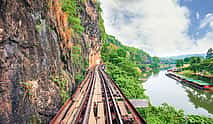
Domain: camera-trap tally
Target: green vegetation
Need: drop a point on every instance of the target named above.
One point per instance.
(76, 54)
(62, 83)
(166, 114)
(198, 68)
(76, 59)
(101, 23)
(209, 53)
(202, 66)
(198, 64)
(125, 66)
(196, 119)
(72, 8)
(38, 27)
(155, 63)
(79, 77)
(179, 63)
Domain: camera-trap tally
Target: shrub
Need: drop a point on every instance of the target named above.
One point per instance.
(165, 114)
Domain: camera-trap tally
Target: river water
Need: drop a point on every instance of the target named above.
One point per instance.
(162, 89)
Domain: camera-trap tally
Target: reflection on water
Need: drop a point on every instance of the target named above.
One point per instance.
(156, 71)
(162, 89)
(200, 99)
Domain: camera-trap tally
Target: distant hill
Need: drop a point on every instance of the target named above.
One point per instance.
(172, 59)
(184, 56)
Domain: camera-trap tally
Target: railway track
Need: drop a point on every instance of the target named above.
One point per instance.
(97, 100)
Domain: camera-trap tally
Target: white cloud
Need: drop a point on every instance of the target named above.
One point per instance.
(159, 27)
(208, 20)
(197, 15)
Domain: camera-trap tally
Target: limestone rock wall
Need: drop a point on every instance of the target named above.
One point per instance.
(32, 52)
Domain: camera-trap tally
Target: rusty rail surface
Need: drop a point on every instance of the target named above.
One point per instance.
(138, 118)
(97, 99)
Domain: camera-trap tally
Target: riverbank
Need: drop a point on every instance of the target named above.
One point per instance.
(189, 81)
(183, 104)
(197, 76)
(126, 67)
(166, 114)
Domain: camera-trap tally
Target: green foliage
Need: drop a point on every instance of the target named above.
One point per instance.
(79, 77)
(166, 114)
(123, 65)
(78, 59)
(113, 40)
(101, 23)
(196, 119)
(62, 83)
(38, 27)
(209, 54)
(198, 66)
(126, 80)
(155, 63)
(72, 8)
(76, 54)
(179, 63)
(76, 24)
(135, 55)
(194, 60)
(186, 60)
(207, 66)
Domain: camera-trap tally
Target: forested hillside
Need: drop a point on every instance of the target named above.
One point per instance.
(127, 65)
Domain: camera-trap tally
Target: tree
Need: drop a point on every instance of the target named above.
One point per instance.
(179, 63)
(194, 60)
(186, 60)
(209, 53)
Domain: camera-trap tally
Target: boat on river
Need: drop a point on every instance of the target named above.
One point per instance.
(195, 83)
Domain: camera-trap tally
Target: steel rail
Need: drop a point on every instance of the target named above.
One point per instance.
(88, 108)
(87, 89)
(106, 99)
(136, 115)
(68, 118)
(63, 110)
(113, 99)
(84, 101)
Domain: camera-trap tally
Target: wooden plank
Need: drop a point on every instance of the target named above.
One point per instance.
(101, 115)
(122, 108)
(92, 120)
(99, 98)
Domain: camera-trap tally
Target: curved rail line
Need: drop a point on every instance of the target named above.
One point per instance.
(97, 100)
(132, 109)
(115, 106)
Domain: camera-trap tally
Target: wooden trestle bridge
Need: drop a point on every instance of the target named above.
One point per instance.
(98, 100)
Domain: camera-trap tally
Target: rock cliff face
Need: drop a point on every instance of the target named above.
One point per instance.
(37, 66)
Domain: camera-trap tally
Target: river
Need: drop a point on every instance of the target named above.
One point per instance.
(162, 89)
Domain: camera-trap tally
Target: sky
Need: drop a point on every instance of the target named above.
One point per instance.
(161, 27)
